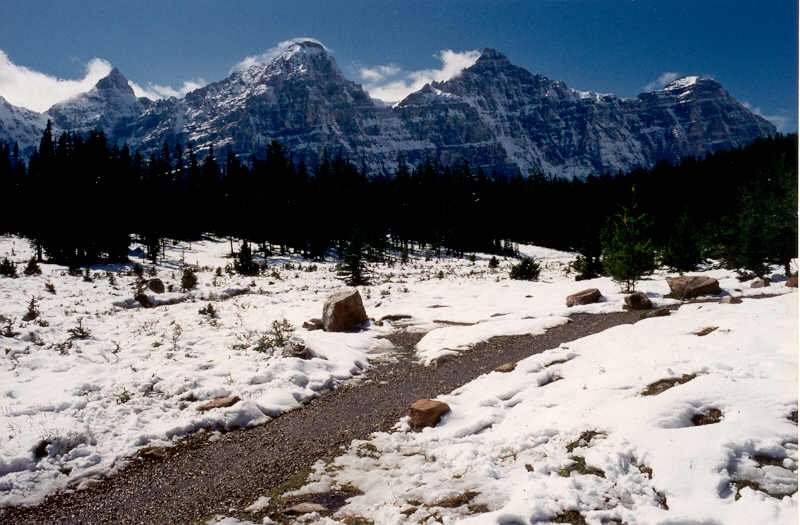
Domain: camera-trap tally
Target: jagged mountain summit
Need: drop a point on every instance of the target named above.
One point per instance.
(493, 114)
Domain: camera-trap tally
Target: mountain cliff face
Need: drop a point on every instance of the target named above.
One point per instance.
(494, 114)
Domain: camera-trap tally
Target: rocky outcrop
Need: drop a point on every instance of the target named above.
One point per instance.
(343, 312)
(494, 114)
(588, 296)
(693, 286)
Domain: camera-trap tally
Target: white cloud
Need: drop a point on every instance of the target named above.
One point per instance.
(380, 85)
(662, 80)
(782, 122)
(156, 91)
(378, 73)
(267, 56)
(38, 91)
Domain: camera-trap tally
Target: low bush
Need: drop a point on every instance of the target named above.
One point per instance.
(526, 270)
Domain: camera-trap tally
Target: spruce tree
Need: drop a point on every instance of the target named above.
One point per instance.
(628, 252)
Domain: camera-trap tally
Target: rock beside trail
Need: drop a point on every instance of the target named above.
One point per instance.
(427, 413)
(760, 283)
(731, 300)
(692, 286)
(220, 402)
(792, 281)
(638, 301)
(156, 285)
(305, 508)
(506, 367)
(588, 296)
(343, 312)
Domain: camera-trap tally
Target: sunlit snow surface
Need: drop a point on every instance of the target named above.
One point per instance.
(134, 382)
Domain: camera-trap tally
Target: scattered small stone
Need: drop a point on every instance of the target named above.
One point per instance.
(394, 317)
(427, 413)
(343, 312)
(156, 285)
(153, 452)
(705, 331)
(638, 301)
(692, 286)
(305, 508)
(506, 367)
(588, 296)
(731, 300)
(220, 402)
(313, 324)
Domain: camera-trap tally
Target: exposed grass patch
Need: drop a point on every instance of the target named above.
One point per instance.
(665, 384)
(584, 439)
(570, 516)
(457, 500)
(714, 415)
(579, 465)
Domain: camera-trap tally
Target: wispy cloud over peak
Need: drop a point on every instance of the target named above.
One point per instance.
(270, 54)
(38, 91)
(662, 80)
(390, 83)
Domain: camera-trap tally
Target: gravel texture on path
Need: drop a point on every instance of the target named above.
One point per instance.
(198, 478)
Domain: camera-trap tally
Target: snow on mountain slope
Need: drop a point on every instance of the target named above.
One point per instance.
(494, 114)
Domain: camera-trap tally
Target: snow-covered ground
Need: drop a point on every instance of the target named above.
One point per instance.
(513, 449)
(72, 408)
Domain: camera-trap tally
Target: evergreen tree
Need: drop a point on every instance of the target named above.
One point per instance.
(353, 269)
(682, 252)
(628, 252)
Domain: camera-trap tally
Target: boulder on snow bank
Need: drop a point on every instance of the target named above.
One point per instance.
(792, 281)
(693, 285)
(343, 312)
(427, 413)
(760, 283)
(588, 296)
(638, 301)
(220, 402)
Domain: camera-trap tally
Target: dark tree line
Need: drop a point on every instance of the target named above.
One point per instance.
(79, 199)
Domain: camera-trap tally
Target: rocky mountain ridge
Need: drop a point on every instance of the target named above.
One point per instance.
(493, 114)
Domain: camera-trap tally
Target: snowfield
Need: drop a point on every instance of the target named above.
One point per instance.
(77, 404)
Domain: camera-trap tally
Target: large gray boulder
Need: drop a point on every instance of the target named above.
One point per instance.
(693, 285)
(343, 312)
(588, 296)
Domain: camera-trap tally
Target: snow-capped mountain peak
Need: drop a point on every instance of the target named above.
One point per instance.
(115, 82)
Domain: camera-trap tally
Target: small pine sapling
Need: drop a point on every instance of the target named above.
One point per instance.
(188, 279)
(525, 270)
(32, 268)
(8, 268)
(33, 310)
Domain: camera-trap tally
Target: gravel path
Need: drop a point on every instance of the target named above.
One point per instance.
(200, 478)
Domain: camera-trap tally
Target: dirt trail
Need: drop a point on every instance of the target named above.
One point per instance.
(199, 478)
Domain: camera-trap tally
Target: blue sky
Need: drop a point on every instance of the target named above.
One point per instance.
(610, 46)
